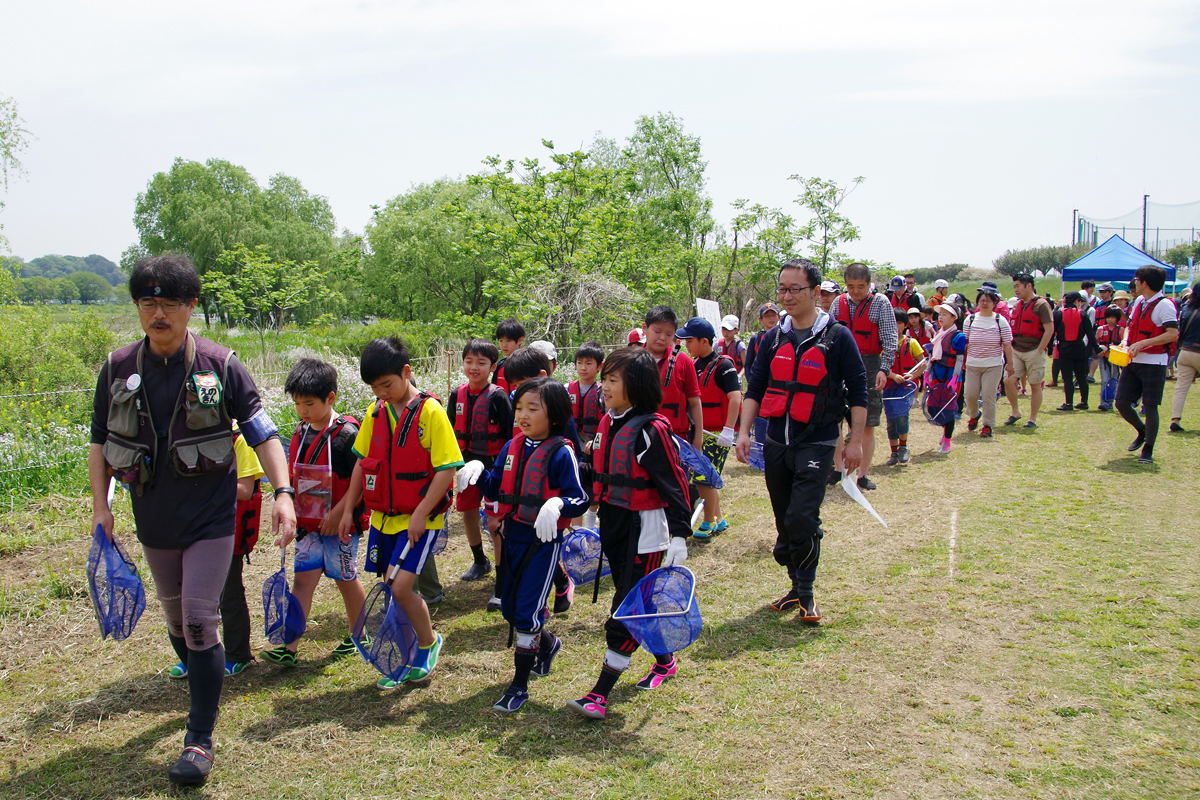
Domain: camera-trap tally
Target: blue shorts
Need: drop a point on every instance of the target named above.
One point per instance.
(340, 561)
(384, 549)
(523, 601)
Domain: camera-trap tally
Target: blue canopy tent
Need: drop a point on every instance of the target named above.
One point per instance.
(1114, 262)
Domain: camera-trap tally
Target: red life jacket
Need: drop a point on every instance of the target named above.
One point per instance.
(732, 351)
(899, 299)
(385, 489)
(477, 434)
(1141, 326)
(1025, 322)
(321, 444)
(674, 401)
(1107, 335)
(532, 473)
(498, 378)
(247, 520)
(587, 408)
(800, 386)
(866, 332)
(618, 477)
(921, 334)
(713, 399)
(1071, 318)
(904, 356)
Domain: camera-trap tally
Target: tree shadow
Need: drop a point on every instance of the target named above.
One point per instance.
(1128, 465)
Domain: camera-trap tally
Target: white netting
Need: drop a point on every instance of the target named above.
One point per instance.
(1167, 225)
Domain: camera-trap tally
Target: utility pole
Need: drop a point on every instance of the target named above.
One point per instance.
(1145, 198)
(1074, 224)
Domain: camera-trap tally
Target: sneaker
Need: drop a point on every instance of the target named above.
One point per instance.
(235, 668)
(1145, 459)
(787, 602)
(426, 660)
(479, 569)
(590, 705)
(177, 672)
(385, 683)
(944, 446)
(1176, 427)
(704, 532)
(1137, 443)
(721, 526)
(972, 423)
(893, 459)
(280, 655)
(563, 600)
(347, 648)
(1031, 424)
(541, 666)
(1081, 406)
(986, 432)
(958, 415)
(835, 477)
(1012, 419)
(658, 675)
(493, 604)
(866, 483)
(1066, 407)
(1104, 407)
(1091, 379)
(192, 767)
(436, 600)
(903, 453)
(809, 611)
(511, 700)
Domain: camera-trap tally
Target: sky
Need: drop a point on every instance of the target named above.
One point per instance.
(978, 126)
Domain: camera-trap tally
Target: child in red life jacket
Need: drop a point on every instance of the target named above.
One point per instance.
(321, 462)
(908, 366)
(235, 613)
(407, 455)
(1110, 333)
(644, 514)
(587, 407)
(536, 490)
(510, 335)
(721, 403)
(481, 416)
(944, 367)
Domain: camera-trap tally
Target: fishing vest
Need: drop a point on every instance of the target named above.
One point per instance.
(199, 440)
(474, 428)
(731, 351)
(799, 384)
(866, 332)
(713, 400)
(385, 488)
(618, 477)
(530, 472)
(674, 401)
(1142, 326)
(1025, 322)
(587, 408)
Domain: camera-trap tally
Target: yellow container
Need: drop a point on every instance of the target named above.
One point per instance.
(1118, 356)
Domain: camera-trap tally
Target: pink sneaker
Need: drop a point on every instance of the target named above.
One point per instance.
(590, 706)
(658, 674)
(945, 445)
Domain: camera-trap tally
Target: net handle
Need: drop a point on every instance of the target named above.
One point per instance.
(396, 567)
(686, 609)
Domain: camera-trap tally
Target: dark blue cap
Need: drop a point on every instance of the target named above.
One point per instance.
(697, 328)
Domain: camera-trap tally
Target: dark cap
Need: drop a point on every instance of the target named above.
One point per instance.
(697, 328)
(765, 307)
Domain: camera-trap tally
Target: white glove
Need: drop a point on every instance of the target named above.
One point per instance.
(725, 439)
(591, 521)
(469, 473)
(547, 521)
(676, 552)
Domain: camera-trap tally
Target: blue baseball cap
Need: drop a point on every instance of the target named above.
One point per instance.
(697, 328)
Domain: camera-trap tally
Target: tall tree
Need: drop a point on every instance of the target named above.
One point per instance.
(828, 228)
(91, 287)
(14, 138)
(65, 290)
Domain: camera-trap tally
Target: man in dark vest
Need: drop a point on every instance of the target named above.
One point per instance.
(162, 424)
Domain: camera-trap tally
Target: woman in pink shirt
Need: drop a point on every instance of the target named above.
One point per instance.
(989, 350)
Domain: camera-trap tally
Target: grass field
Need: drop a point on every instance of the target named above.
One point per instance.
(1027, 627)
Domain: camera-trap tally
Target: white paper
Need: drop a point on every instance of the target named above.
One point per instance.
(850, 487)
(711, 311)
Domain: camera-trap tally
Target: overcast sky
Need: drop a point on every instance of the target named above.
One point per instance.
(978, 126)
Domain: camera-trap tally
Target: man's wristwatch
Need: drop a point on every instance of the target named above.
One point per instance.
(285, 490)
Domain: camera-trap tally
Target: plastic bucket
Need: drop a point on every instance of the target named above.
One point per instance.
(661, 611)
(1118, 356)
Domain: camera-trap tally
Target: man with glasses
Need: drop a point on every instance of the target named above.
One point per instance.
(807, 373)
(162, 424)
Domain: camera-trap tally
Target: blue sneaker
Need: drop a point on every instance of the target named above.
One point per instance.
(235, 668)
(511, 700)
(705, 531)
(177, 672)
(426, 660)
(543, 663)
(721, 526)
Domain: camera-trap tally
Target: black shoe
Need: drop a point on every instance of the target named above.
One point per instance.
(866, 483)
(1176, 427)
(787, 602)
(809, 612)
(1145, 459)
(1081, 406)
(478, 570)
(1066, 407)
(541, 666)
(1137, 443)
(835, 478)
(192, 767)
(1012, 420)
(986, 433)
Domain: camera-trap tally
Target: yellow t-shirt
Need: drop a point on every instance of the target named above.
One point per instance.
(248, 465)
(436, 435)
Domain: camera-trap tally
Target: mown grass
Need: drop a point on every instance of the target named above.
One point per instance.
(1060, 661)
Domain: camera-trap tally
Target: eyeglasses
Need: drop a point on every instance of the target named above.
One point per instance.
(147, 305)
(794, 290)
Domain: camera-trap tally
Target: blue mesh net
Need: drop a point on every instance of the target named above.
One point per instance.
(118, 596)
(1108, 392)
(662, 612)
(898, 399)
(698, 467)
(940, 403)
(283, 615)
(581, 555)
(383, 635)
(755, 456)
(440, 539)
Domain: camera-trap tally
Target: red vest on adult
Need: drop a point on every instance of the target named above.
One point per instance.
(384, 488)
(866, 332)
(713, 400)
(587, 408)
(618, 477)
(1025, 322)
(531, 474)
(477, 434)
(1071, 318)
(1142, 326)
(800, 386)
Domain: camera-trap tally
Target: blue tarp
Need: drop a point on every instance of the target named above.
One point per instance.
(1115, 260)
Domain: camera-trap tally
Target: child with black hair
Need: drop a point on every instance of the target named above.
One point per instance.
(644, 515)
(944, 368)
(481, 416)
(587, 406)
(536, 488)
(321, 462)
(510, 336)
(680, 387)
(402, 430)
(1111, 332)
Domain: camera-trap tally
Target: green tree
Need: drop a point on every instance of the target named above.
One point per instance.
(1046, 258)
(253, 288)
(56, 266)
(10, 271)
(828, 228)
(92, 288)
(14, 138)
(35, 290)
(65, 290)
(1179, 254)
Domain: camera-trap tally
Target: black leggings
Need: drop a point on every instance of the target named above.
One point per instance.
(1074, 371)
